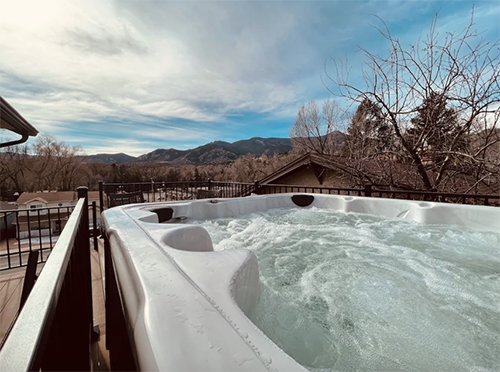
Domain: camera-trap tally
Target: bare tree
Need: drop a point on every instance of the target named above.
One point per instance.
(46, 165)
(460, 70)
(15, 164)
(56, 163)
(481, 159)
(317, 130)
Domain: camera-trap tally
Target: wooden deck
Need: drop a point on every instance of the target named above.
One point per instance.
(11, 284)
(100, 356)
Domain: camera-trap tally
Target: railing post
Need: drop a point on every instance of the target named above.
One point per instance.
(368, 190)
(209, 184)
(83, 243)
(94, 225)
(83, 193)
(30, 277)
(101, 197)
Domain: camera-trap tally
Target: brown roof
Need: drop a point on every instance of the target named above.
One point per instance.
(6, 206)
(93, 195)
(50, 197)
(331, 162)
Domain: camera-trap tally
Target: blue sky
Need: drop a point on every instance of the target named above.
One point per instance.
(133, 76)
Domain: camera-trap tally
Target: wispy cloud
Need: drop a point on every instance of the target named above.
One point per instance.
(188, 67)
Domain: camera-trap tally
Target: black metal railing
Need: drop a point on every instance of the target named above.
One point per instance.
(443, 197)
(25, 230)
(111, 194)
(278, 189)
(369, 191)
(53, 329)
(169, 191)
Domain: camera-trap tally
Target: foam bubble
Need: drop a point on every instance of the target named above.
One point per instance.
(346, 291)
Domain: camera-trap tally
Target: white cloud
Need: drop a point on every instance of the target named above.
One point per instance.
(129, 147)
(64, 63)
(176, 133)
(98, 63)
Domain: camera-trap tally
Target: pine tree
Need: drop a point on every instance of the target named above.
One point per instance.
(369, 134)
(434, 129)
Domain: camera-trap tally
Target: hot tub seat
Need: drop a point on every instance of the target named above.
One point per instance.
(185, 304)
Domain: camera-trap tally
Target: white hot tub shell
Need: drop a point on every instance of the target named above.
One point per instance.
(185, 304)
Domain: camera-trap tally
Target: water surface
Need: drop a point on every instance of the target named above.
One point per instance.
(353, 292)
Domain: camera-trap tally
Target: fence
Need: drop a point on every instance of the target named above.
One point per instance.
(53, 329)
(369, 191)
(28, 229)
(24, 230)
(170, 191)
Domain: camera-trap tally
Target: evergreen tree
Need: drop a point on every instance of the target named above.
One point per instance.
(435, 129)
(369, 134)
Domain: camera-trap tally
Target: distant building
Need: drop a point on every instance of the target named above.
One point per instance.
(311, 170)
(47, 211)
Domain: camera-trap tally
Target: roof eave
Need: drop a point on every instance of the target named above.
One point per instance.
(11, 120)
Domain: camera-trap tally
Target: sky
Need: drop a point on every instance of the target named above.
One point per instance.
(134, 76)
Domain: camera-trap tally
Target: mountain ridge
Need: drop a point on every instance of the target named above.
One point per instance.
(210, 153)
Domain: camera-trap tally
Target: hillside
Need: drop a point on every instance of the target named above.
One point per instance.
(110, 158)
(211, 153)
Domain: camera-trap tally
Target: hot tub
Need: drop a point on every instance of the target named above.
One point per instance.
(186, 305)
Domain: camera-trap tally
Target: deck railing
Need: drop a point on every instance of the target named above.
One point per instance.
(369, 191)
(53, 329)
(171, 191)
(25, 230)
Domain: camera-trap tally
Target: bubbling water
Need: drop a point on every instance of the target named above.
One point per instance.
(353, 292)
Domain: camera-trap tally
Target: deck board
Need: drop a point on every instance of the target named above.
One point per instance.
(100, 356)
(11, 285)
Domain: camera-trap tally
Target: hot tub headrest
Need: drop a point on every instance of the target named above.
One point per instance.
(302, 200)
(164, 214)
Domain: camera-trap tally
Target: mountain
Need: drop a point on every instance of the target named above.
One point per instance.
(267, 146)
(165, 155)
(110, 158)
(211, 153)
(206, 154)
(219, 151)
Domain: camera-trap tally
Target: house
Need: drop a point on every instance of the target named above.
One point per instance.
(311, 170)
(47, 211)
